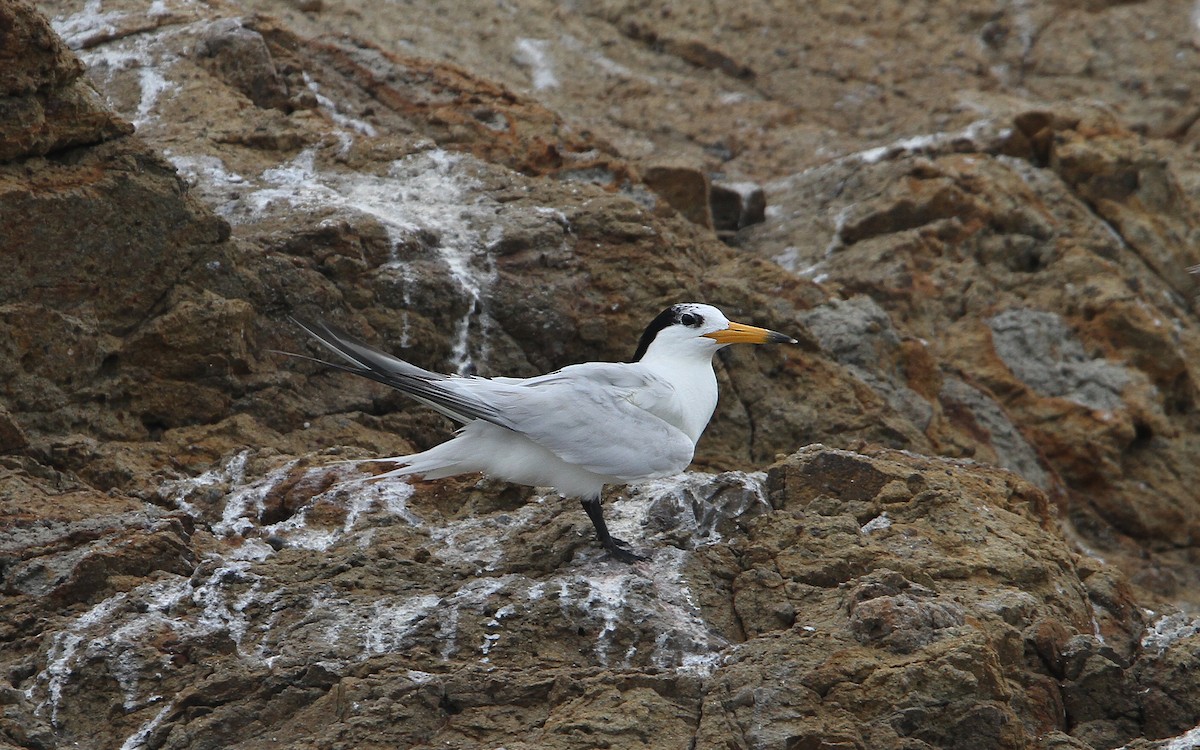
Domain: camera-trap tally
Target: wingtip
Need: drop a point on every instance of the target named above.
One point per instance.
(306, 326)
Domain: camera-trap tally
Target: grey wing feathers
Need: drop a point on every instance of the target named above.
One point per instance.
(361, 354)
(583, 415)
(428, 387)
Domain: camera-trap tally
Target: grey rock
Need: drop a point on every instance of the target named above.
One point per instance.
(1043, 353)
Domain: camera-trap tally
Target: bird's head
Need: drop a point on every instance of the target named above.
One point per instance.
(694, 329)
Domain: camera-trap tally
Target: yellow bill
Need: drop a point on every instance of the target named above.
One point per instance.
(740, 333)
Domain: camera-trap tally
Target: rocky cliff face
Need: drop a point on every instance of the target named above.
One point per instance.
(961, 514)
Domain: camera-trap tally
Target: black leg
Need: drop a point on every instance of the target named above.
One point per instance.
(617, 548)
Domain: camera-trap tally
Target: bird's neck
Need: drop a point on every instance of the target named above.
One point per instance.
(695, 385)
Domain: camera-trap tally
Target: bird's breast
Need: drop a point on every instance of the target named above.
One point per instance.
(688, 400)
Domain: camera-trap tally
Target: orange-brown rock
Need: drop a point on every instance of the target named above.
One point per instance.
(988, 541)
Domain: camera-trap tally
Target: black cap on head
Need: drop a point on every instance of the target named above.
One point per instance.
(664, 319)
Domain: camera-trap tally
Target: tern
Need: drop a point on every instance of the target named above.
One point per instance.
(576, 429)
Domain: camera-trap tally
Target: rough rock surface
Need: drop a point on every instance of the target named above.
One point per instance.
(977, 522)
(45, 102)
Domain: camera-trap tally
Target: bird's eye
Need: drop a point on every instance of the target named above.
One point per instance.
(691, 320)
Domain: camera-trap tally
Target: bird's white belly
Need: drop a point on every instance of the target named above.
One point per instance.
(504, 454)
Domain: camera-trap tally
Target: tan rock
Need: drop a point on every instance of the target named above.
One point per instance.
(45, 102)
(688, 191)
(186, 558)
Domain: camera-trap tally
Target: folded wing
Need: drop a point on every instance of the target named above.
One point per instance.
(589, 415)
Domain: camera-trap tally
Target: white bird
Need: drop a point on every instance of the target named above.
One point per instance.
(575, 429)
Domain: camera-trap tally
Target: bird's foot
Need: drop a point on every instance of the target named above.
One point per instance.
(623, 552)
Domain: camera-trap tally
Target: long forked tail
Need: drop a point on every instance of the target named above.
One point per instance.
(430, 388)
(472, 449)
(421, 465)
